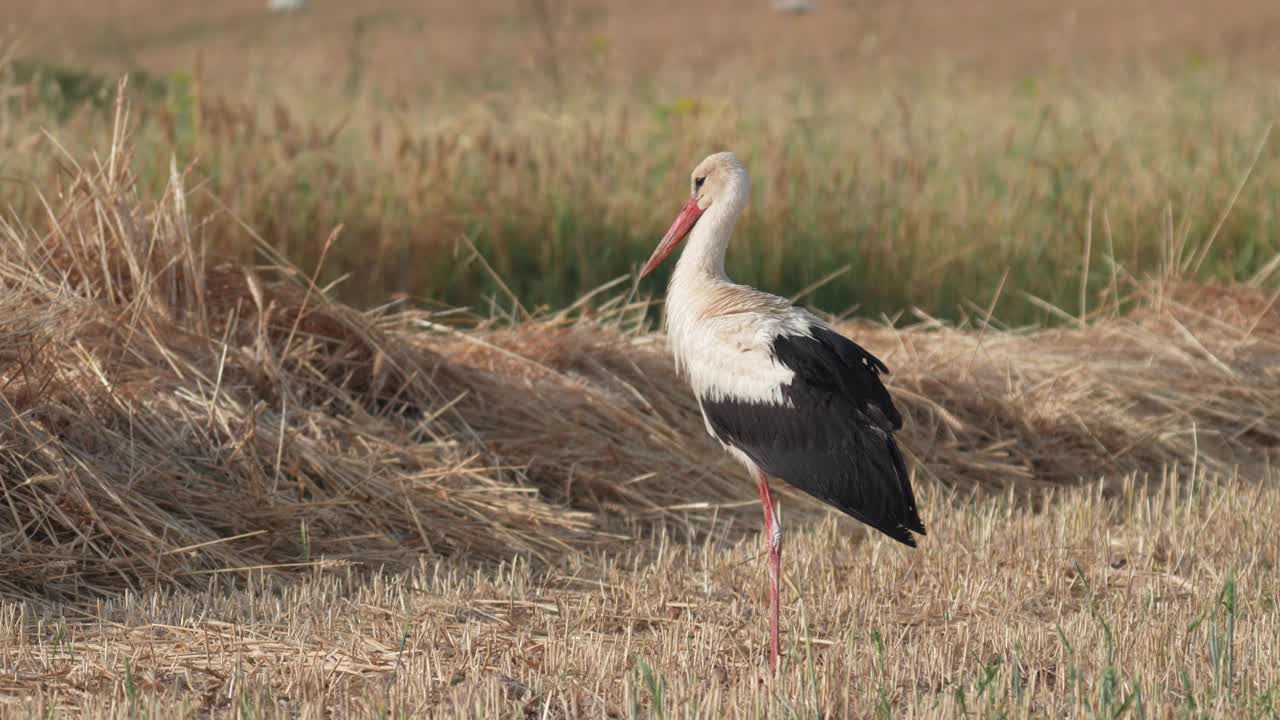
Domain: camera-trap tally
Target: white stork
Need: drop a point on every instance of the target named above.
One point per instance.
(782, 391)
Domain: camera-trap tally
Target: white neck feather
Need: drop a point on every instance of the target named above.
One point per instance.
(703, 256)
(701, 265)
(700, 270)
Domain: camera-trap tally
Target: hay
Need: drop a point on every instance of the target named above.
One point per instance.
(168, 422)
(1188, 377)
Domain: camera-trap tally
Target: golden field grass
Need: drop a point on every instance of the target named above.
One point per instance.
(896, 143)
(228, 494)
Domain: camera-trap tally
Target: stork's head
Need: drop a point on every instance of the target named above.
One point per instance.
(718, 183)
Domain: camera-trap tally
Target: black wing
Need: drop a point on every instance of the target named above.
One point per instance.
(835, 440)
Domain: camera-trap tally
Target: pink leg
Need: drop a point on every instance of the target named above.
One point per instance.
(773, 535)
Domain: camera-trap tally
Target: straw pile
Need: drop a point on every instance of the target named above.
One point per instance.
(171, 420)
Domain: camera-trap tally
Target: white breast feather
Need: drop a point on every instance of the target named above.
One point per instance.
(730, 357)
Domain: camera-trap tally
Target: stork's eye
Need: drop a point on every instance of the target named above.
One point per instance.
(697, 184)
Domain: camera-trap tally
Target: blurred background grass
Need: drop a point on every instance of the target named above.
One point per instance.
(928, 147)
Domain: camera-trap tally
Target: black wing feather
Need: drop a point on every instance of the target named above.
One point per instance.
(835, 440)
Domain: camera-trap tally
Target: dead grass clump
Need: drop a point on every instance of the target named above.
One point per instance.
(1169, 383)
(164, 422)
(1164, 384)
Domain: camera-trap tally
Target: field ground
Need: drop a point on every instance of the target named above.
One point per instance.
(258, 461)
(1158, 601)
(426, 46)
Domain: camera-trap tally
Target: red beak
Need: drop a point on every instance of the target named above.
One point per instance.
(677, 232)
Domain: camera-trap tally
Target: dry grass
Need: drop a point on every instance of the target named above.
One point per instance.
(158, 407)
(1154, 601)
(204, 465)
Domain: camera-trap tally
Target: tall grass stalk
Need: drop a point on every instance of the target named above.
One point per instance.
(929, 187)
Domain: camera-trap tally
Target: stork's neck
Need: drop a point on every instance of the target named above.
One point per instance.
(702, 262)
